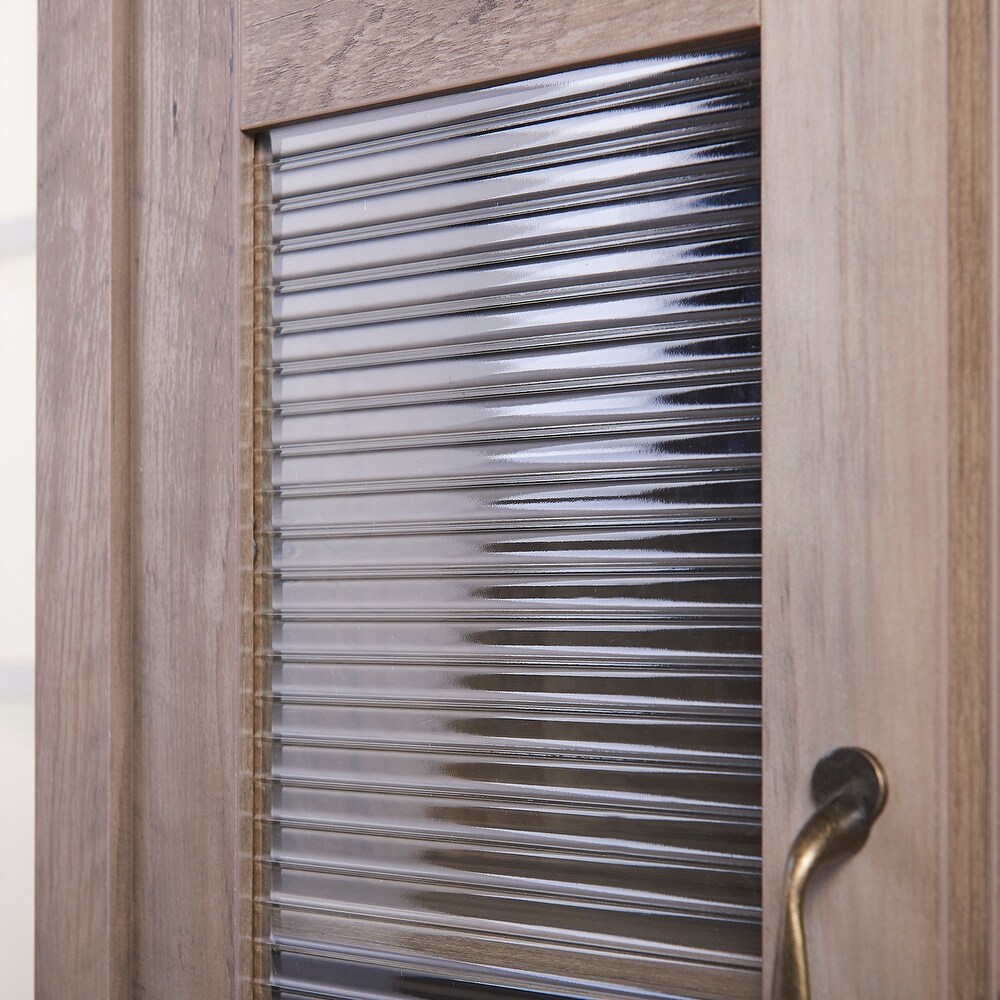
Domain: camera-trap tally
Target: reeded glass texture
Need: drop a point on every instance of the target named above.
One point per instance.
(513, 720)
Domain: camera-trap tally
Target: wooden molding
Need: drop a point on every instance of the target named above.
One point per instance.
(879, 474)
(83, 579)
(144, 698)
(973, 497)
(302, 59)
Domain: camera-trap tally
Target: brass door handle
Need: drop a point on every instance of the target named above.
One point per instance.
(849, 788)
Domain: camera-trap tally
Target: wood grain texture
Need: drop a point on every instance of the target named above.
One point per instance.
(877, 455)
(994, 513)
(192, 537)
(144, 555)
(301, 58)
(82, 899)
(972, 495)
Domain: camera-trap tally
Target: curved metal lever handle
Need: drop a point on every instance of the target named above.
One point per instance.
(849, 788)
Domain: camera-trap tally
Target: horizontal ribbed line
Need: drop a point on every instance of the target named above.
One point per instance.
(550, 750)
(644, 437)
(725, 840)
(280, 988)
(448, 971)
(623, 805)
(538, 700)
(294, 990)
(531, 583)
(726, 274)
(570, 567)
(683, 251)
(676, 814)
(666, 863)
(689, 277)
(542, 490)
(458, 191)
(699, 227)
(287, 570)
(633, 317)
(745, 516)
(696, 327)
(458, 483)
(695, 427)
(513, 528)
(535, 891)
(536, 704)
(706, 778)
(683, 418)
(597, 708)
(720, 212)
(728, 370)
(695, 305)
(610, 848)
(525, 932)
(541, 704)
(640, 552)
(538, 892)
(708, 416)
(707, 774)
(599, 135)
(612, 178)
(695, 421)
(629, 119)
(454, 197)
(715, 441)
(676, 668)
(607, 181)
(730, 75)
(497, 981)
(556, 490)
(614, 450)
(505, 199)
(666, 857)
(729, 616)
(641, 669)
(727, 364)
(735, 867)
(647, 908)
(739, 660)
(571, 657)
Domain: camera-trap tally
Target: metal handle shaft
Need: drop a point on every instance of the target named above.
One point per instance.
(849, 788)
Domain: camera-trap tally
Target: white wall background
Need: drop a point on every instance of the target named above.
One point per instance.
(17, 495)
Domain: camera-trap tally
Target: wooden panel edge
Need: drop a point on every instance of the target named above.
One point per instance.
(122, 660)
(190, 537)
(83, 555)
(994, 754)
(302, 60)
(973, 499)
(856, 453)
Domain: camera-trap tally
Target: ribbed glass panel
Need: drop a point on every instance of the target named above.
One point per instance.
(512, 734)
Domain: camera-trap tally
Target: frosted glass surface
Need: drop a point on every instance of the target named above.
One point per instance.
(512, 724)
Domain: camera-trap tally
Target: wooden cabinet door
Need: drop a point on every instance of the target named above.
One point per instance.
(878, 325)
